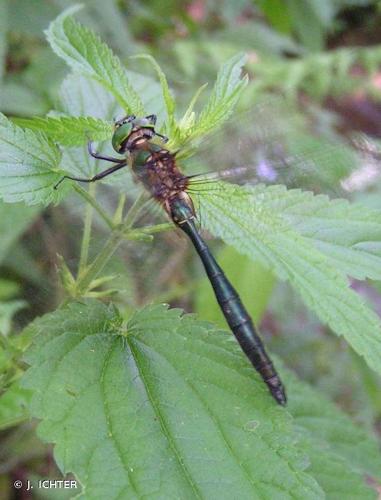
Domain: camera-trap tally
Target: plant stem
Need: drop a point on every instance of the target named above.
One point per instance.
(117, 217)
(133, 234)
(86, 231)
(134, 211)
(91, 200)
(99, 262)
(118, 234)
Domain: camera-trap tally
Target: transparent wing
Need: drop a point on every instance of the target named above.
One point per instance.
(274, 143)
(368, 172)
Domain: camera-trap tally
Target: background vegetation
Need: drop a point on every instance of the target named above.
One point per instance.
(324, 57)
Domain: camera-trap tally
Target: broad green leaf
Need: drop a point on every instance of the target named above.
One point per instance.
(245, 218)
(86, 54)
(216, 429)
(14, 220)
(225, 94)
(162, 405)
(349, 234)
(253, 281)
(69, 130)
(28, 165)
(342, 454)
(14, 405)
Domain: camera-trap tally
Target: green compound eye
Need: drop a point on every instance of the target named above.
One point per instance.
(120, 135)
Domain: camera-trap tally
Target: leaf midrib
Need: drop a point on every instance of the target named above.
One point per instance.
(161, 420)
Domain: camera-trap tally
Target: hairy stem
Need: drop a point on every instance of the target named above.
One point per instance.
(135, 210)
(99, 262)
(118, 215)
(119, 233)
(92, 201)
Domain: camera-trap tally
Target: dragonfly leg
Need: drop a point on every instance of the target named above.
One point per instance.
(96, 155)
(163, 137)
(97, 177)
(125, 119)
(152, 119)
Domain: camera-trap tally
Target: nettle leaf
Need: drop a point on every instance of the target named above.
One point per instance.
(86, 54)
(349, 234)
(343, 456)
(247, 219)
(172, 397)
(28, 165)
(167, 96)
(70, 130)
(225, 94)
(162, 405)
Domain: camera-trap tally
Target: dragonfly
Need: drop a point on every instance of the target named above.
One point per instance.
(158, 170)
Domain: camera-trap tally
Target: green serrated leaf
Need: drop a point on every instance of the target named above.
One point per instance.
(349, 234)
(342, 454)
(225, 94)
(69, 130)
(245, 218)
(167, 96)
(86, 54)
(28, 165)
(186, 124)
(192, 413)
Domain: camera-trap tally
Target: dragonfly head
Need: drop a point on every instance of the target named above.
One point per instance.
(131, 133)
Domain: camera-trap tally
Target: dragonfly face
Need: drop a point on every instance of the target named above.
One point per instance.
(132, 133)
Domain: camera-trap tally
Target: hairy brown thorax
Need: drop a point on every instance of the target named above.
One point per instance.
(156, 168)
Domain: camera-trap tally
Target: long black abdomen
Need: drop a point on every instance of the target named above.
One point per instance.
(236, 315)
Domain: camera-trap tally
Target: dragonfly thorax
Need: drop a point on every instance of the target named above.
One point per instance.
(156, 168)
